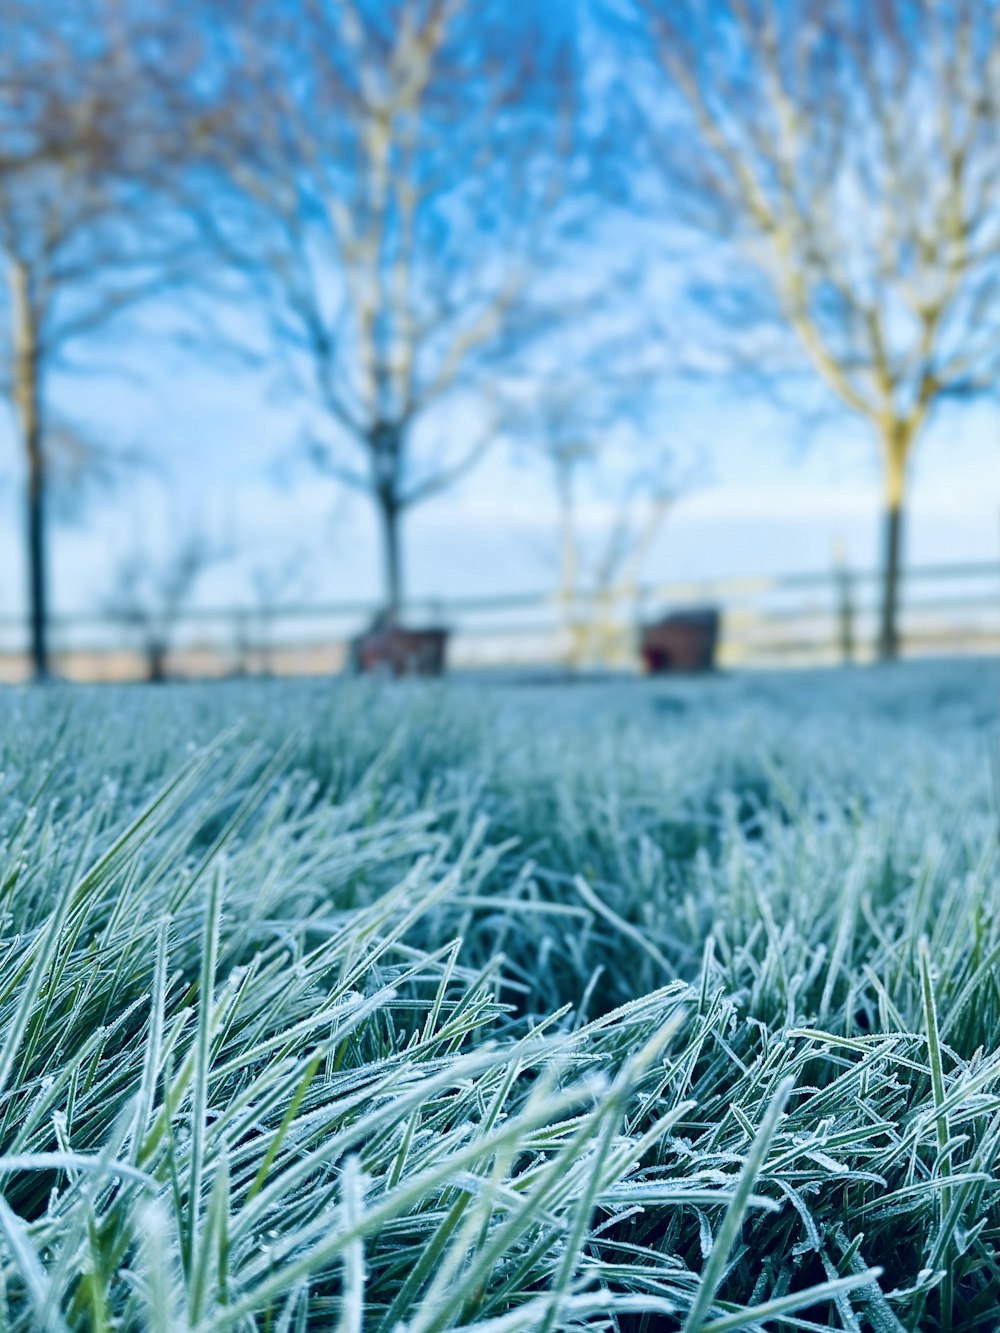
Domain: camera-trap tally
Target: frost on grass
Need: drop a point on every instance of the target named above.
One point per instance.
(635, 1008)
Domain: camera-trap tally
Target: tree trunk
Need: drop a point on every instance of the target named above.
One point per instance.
(896, 448)
(37, 580)
(27, 398)
(156, 661)
(390, 513)
(888, 641)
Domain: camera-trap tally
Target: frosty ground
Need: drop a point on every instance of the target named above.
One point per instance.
(643, 1005)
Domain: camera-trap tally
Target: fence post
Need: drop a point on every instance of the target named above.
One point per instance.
(844, 591)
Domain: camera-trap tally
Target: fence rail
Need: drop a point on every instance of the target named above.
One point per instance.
(803, 618)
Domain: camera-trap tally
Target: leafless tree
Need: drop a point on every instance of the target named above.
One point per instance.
(851, 151)
(150, 595)
(273, 583)
(599, 580)
(577, 425)
(83, 132)
(391, 171)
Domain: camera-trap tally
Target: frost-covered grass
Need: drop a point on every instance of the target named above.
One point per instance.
(637, 1007)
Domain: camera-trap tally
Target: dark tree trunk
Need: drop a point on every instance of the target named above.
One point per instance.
(390, 513)
(888, 641)
(386, 442)
(896, 440)
(27, 397)
(156, 662)
(37, 573)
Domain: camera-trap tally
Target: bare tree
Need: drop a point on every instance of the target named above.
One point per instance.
(851, 150)
(394, 180)
(599, 580)
(578, 424)
(150, 594)
(272, 585)
(83, 131)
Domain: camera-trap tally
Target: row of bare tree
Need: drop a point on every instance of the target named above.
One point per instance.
(416, 194)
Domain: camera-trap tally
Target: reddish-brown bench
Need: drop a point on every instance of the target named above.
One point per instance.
(683, 641)
(392, 650)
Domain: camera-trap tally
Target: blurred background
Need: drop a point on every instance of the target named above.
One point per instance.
(575, 335)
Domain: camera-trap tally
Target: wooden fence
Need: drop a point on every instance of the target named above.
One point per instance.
(790, 620)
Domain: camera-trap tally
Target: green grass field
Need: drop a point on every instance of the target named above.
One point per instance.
(637, 1007)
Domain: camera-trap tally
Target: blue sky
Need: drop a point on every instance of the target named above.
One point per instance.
(766, 501)
(771, 494)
